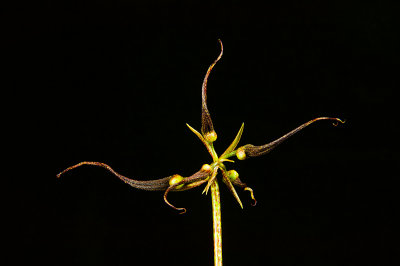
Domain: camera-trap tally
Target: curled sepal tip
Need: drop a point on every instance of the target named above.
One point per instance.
(252, 196)
(181, 210)
(179, 183)
(336, 123)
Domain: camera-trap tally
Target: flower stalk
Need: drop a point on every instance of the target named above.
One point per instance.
(217, 224)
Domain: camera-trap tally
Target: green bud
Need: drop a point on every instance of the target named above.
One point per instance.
(211, 136)
(206, 168)
(232, 175)
(176, 179)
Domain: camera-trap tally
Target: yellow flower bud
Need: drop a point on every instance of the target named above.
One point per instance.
(211, 136)
(206, 168)
(241, 154)
(232, 175)
(176, 179)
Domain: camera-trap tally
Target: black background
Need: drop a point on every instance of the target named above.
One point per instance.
(116, 81)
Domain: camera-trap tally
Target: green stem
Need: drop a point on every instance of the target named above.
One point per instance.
(213, 152)
(217, 235)
(226, 156)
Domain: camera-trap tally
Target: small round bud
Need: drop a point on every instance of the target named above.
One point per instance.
(241, 154)
(206, 168)
(176, 179)
(232, 175)
(211, 136)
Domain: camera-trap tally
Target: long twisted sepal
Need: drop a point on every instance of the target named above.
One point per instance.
(149, 185)
(250, 150)
(207, 128)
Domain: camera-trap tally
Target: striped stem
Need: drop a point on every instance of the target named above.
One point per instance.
(217, 235)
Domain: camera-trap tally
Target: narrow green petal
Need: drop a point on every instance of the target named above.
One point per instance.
(226, 180)
(235, 142)
(197, 134)
(209, 145)
(211, 180)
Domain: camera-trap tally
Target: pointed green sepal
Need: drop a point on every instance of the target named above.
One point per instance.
(234, 143)
(227, 180)
(208, 145)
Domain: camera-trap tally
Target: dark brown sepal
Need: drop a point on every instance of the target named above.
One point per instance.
(149, 185)
(207, 128)
(250, 150)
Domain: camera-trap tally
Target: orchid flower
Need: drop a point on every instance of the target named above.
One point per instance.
(207, 174)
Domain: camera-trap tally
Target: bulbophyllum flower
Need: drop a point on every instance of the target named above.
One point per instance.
(208, 172)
